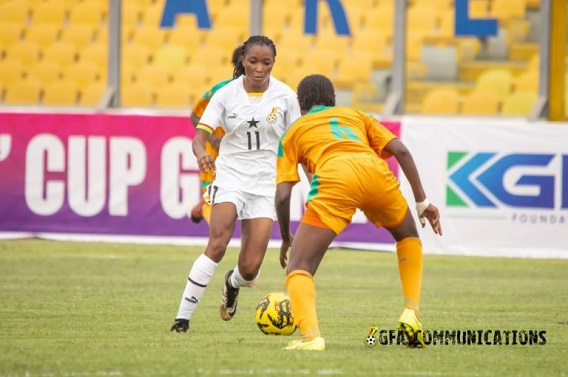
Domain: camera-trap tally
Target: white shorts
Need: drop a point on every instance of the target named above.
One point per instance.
(249, 206)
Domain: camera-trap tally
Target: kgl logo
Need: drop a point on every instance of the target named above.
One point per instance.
(488, 180)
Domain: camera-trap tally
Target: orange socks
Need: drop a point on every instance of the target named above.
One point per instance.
(409, 254)
(302, 293)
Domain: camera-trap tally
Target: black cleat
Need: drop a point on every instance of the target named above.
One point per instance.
(229, 299)
(180, 326)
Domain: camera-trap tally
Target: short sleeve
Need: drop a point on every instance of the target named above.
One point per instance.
(214, 113)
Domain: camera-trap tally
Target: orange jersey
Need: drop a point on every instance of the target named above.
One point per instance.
(344, 150)
(328, 132)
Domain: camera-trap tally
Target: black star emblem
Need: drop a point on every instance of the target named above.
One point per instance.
(252, 123)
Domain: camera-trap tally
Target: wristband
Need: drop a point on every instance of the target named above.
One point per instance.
(420, 208)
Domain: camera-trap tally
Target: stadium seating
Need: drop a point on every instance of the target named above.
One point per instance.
(138, 94)
(83, 73)
(481, 102)
(46, 71)
(499, 81)
(44, 35)
(154, 75)
(174, 95)
(28, 53)
(10, 33)
(171, 57)
(63, 53)
(10, 70)
(441, 101)
(90, 13)
(68, 32)
(61, 93)
(14, 12)
(50, 12)
(92, 93)
(79, 35)
(518, 103)
(22, 92)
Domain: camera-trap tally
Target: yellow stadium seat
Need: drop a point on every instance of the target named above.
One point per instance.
(173, 95)
(152, 15)
(135, 55)
(479, 8)
(365, 97)
(10, 33)
(322, 62)
(150, 36)
(171, 57)
(527, 82)
(131, 14)
(43, 35)
(138, 94)
(235, 17)
(295, 39)
(275, 16)
(10, 70)
(83, 73)
(329, 40)
(60, 93)
(440, 101)
(422, 18)
(63, 53)
(96, 53)
(352, 69)
(414, 42)
(518, 103)
(79, 35)
(189, 38)
(155, 75)
(288, 61)
(46, 72)
(480, 102)
(92, 94)
(28, 53)
(196, 74)
(380, 18)
(23, 92)
(14, 11)
(507, 9)
(87, 13)
(48, 12)
(224, 38)
(375, 43)
(446, 25)
(215, 56)
(364, 4)
(497, 80)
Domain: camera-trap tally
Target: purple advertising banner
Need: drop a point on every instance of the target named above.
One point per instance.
(111, 174)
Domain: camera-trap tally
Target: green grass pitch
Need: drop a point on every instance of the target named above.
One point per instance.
(105, 309)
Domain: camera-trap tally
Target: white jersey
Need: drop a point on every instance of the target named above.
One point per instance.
(254, 123)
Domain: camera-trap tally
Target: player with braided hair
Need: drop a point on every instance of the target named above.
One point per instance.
(254, 109)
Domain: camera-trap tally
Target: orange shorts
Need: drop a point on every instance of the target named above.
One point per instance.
(344, 184)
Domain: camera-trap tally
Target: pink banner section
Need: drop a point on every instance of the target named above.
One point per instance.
(108, 174)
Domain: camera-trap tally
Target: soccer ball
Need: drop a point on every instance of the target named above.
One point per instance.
(273, 315)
